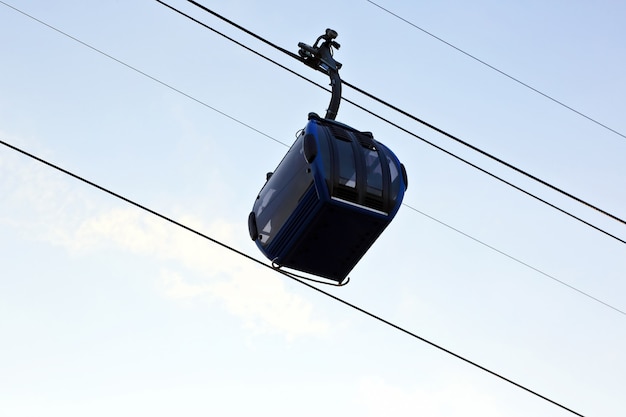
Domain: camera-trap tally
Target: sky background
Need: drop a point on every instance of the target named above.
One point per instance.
(108, 310)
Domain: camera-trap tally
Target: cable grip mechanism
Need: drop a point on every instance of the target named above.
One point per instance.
(321, 58)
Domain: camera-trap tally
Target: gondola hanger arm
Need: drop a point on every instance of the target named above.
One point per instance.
(321, 58)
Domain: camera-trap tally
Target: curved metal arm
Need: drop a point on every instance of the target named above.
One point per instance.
(335, 98)
(321, 59)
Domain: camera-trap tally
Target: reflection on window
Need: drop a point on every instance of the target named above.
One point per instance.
(347, 169)
(267, 197)
(395, 179)
(374, 172)
(282, 192)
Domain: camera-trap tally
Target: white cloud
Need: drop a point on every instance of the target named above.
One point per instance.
(258, 298)
(247, 291)
(54, 210)
(174, 286)
(266, 306)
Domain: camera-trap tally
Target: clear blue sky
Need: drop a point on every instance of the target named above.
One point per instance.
(107, 310)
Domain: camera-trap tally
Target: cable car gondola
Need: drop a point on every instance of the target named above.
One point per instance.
(333, 193)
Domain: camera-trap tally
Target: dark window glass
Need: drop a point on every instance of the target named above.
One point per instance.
(347, 169)
(326, 161)
(374, 172)
(282, 192)
(395, 179)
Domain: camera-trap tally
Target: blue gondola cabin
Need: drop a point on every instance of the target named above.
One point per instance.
(328, 200)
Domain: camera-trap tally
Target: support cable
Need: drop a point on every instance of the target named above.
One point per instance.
(286, 145)
(553, 278)
(397, 109)
(250, 258)
(398, 126)
(560, 103)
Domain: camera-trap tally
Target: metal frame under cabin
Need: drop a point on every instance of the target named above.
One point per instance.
(328, 200)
